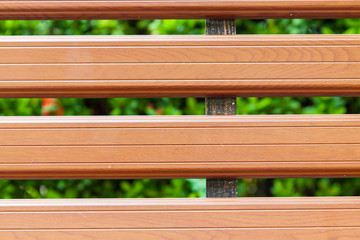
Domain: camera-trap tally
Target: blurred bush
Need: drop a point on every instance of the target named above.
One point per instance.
(174, 106)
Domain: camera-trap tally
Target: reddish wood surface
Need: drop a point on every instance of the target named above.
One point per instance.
(221, 187)
(339, 233)
(177, 9)
(179, 66)
(179, 147)
(88, 219)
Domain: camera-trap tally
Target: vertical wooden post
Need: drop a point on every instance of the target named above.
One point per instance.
(220, 187)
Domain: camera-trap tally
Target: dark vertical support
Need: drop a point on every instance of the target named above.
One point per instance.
(220, 187)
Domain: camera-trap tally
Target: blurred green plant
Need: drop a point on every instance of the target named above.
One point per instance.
(175, 106)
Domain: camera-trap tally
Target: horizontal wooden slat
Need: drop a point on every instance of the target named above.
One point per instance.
(85, 219)
(339, 233)
(179, 40)
(179, 71)
(180, 147)
(178, 66)
(177, 9)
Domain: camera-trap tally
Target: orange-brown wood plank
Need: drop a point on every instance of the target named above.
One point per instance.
(177, 9)
(89, 219)
(338, 233)
(180, 147)
(178, 66)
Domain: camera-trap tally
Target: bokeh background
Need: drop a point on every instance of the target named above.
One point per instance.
(175, 106)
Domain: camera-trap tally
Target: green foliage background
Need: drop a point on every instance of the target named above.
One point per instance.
(168, 106)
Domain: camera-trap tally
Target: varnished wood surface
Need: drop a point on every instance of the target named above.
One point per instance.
(93, 219)
(221, 187)
(180, 146)
(339, 233)
(177, 9)
(179, 66)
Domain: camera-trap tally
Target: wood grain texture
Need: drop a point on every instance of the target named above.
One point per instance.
(88, 219)
(179, 147)
(179, 66)
(221, 187)
(339, 233)
(177, 9)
